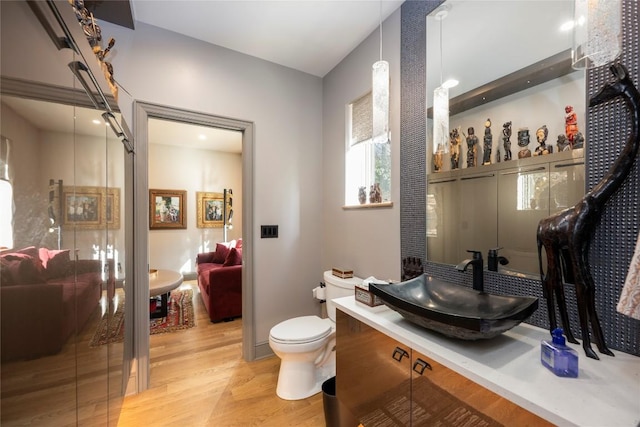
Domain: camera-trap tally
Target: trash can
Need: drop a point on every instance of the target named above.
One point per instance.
(330, 403)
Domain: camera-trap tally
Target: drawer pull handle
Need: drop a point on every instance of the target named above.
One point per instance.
(538, 169)
(465, 178)
(399, 353)
(566, 165)
(420, 366)
(443, 181)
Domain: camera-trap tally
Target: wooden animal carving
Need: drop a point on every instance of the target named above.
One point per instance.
(566, 235)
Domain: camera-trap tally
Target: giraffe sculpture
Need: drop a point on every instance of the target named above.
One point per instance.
(566, 236)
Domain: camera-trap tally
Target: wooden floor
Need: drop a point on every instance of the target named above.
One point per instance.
(198, 378)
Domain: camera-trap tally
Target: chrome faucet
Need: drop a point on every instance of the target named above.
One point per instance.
(478, 274)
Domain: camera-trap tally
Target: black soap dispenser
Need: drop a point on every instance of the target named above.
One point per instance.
(493, 259)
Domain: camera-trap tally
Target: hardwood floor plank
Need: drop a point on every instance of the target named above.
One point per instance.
(198, 378)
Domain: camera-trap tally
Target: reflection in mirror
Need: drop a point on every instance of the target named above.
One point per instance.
(512, 62)
(61, 289)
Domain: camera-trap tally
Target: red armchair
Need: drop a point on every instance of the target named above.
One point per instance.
(220, 282)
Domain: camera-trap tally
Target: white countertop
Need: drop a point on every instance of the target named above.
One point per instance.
(605, 394)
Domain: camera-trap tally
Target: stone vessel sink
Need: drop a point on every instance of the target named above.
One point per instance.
(454, 310)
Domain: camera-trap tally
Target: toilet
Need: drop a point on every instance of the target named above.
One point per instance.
(306, 344)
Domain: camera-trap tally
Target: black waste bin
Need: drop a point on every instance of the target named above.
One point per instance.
(330, 403)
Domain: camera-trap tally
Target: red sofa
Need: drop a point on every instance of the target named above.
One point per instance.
(220, 282)
(45, 298)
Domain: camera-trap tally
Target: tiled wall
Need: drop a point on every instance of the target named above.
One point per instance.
(607, 130)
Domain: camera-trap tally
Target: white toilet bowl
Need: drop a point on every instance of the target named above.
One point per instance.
(306, 345)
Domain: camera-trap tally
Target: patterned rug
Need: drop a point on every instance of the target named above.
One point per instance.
(179, 316)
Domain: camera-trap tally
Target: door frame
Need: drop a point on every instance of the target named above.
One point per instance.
(142, 112)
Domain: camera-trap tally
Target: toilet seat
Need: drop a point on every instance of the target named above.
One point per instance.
(300, 330)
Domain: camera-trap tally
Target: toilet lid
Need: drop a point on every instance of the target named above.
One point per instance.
(301, 329)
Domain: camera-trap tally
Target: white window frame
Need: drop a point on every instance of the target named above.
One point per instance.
(360, 163)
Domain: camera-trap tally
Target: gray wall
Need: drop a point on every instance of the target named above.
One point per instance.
(364, 240)
(161, 67)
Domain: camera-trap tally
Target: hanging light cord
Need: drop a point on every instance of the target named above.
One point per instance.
(441, 52)
(380, 30)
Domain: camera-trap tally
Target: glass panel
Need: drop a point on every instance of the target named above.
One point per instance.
(59, 279)
(478, 214)
(443, 219)
(523, 200)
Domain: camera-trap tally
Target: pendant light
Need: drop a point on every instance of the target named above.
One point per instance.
(597, 32)
(380, 96)
(441, 106)
(6, 197)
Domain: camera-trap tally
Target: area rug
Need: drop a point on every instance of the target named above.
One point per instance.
(179, 316)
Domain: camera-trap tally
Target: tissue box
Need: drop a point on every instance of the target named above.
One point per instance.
(365, 296)
(342, 273)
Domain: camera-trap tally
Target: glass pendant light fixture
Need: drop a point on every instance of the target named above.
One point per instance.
(441, 107)
(380, 97)
(6, 197)
(597, 32)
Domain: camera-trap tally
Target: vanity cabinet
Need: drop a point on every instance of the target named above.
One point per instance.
(382, 382)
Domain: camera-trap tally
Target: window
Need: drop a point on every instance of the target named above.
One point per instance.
(367, 164)
(6, 197)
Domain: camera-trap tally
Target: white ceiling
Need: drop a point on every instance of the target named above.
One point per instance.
(308, 35)
(312, 36)
(80, 121)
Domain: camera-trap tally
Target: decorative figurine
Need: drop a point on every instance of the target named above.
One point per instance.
(362, 195)
(472, 149)
(541, 136)
(566, 236)
(563, 143)
(375, 194)
(570, 123)
(488, 142)
(578, 141)
(454, 144)
(438, 158)
(506, 140)
(523, 141)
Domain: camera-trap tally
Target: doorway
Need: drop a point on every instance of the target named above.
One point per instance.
(144, 115)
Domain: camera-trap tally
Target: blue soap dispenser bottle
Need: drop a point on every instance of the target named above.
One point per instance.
(557, 357)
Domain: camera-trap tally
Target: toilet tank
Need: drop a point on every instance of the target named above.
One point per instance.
(337, 287)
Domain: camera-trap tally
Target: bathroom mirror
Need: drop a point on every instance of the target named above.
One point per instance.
(500, 47)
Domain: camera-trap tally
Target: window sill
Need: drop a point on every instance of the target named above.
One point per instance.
(368, 206)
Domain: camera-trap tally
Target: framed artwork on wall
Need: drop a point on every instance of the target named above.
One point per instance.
(167, 209)
(210, 209)
(90, 208)
(112, 208)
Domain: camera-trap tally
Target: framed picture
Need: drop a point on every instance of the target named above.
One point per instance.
(210, 209)
(167, 209)
(112, 208)
(90, 208)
